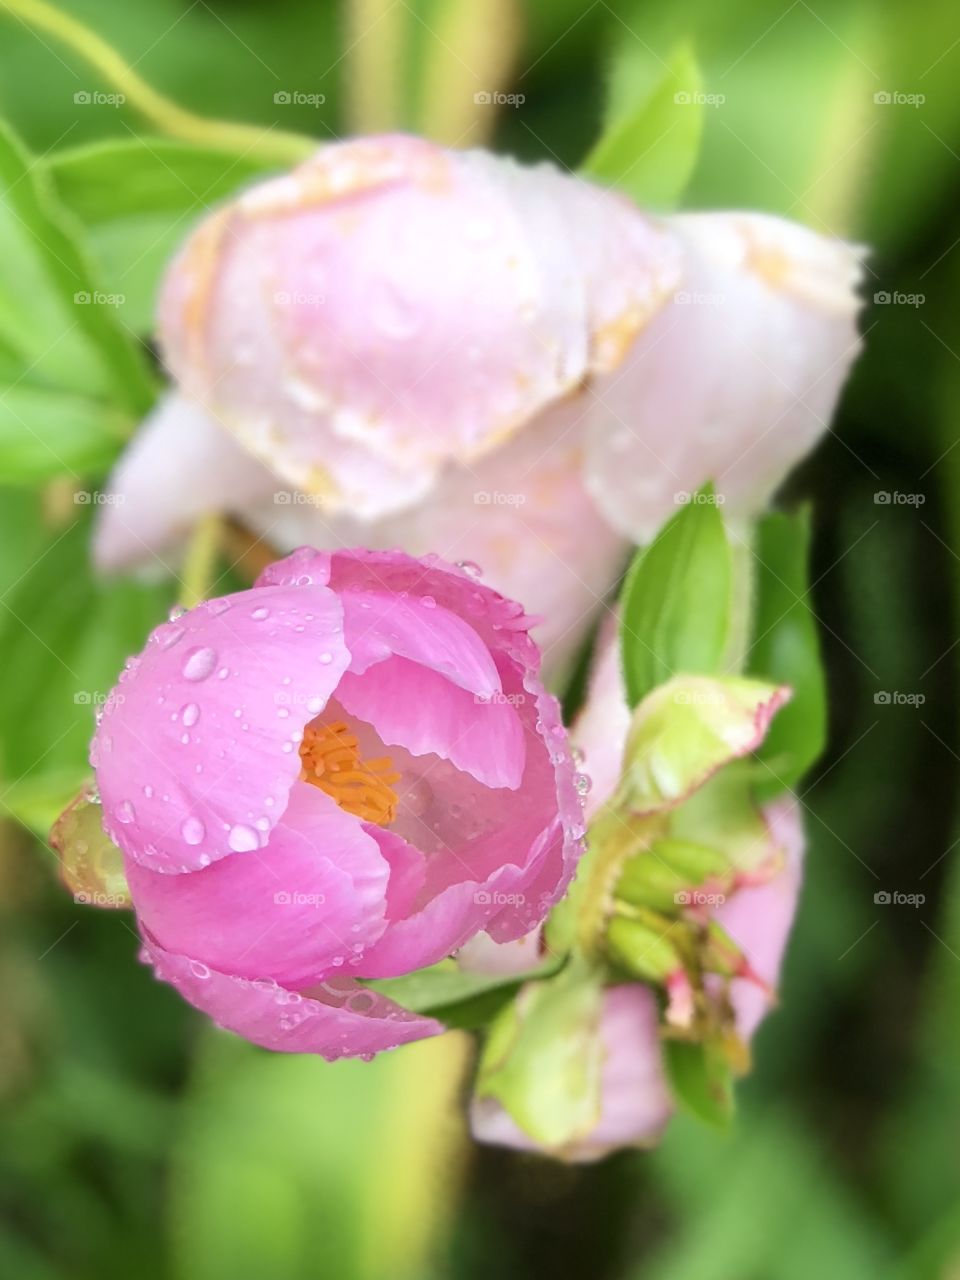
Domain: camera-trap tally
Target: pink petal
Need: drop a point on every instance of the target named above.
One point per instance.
(198, 746)
(601, 727)
(337, 1020)
(181, 465)
(736, 380)
(391, 302)
(416, 708)
(292, 911)
(759, 919)
(380, 623)
(528, 493)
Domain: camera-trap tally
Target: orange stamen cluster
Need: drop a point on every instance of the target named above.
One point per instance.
(330, 755)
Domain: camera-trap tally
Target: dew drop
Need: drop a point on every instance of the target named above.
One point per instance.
(260, 613)
(242, 839)
(199, 663)
(192, 830)
(125, 812)
(428, 602)
(190, 714)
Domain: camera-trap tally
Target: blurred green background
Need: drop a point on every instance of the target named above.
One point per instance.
(134, 1140)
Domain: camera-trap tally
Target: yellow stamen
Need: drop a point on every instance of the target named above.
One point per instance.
(330, 755)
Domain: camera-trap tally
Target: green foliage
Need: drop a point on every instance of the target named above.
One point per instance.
(137, 198)
(72, 381)
(650, 144)
(676, 602)
(66, 636)
(786, 648)
(701, 1080)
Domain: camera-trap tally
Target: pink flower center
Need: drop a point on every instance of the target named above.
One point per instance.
(331, 760)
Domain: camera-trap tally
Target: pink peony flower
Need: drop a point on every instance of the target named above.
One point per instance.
(635, 1102)
(343, 773)
(450, 351)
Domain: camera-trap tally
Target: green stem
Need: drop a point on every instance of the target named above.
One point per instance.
(271, 144)
(377, 40)
(201, 560)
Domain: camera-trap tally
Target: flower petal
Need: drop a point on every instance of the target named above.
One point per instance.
(759, 918)
(336, 1020)
(736, 380)
(181, 465)
(292, 911)
(378, 624)
(417, 708)
(197, 749)
(528, 494)
(406, 305)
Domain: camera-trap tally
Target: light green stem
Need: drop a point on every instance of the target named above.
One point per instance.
(377, 40)
(201, 560)
(272, 144)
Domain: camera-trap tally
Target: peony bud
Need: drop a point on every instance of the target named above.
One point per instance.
(346, 772)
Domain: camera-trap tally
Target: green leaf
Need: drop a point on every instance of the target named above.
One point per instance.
(786, 649)
(65, 636)
(650, 145)
(138, 198)
(701, 1079)
(446, 984)
(46, 432)
(48, 319)
(676, 604)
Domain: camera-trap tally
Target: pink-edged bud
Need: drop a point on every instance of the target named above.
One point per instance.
(634, 1101)
(734, 890)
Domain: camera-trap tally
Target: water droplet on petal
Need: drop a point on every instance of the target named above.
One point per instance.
(125, 811)
(428, 602)
(193, 830)
(190, 714)
(199, 663)
(242, 839)
(260, 613)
